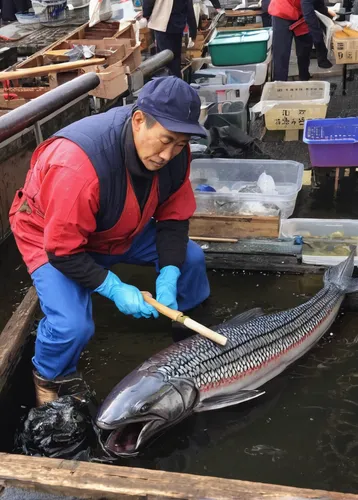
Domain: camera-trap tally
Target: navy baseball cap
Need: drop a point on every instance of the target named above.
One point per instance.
(173, 103)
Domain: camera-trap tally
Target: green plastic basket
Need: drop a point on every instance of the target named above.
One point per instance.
(230, 48)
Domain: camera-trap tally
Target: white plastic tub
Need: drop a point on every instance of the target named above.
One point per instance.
(227, 93)
(233, 175)
(320, 229)
(259, 70)
(286, 105)
(329, 240)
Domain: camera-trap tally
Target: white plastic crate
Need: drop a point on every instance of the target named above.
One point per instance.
(286, 105)
(228, 177)
(227, 93)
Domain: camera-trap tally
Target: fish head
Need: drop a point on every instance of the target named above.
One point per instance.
(141, 407)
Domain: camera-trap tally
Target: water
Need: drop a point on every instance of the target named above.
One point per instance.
(303, 432)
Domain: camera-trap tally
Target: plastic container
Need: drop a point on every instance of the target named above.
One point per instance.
(232, 113)
(332, 142)
(329, 240)
(28, 18)
(228, 48)
(327, 229)
(227, 93)
(286, 105)
(238, 174)
(52, 12)
(259, 70)
(222, 76)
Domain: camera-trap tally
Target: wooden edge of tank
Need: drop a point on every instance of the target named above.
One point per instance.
(90, 480)
(14, 335)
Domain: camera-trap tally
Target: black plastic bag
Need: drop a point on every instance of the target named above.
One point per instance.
(60, 429)
(231, 142)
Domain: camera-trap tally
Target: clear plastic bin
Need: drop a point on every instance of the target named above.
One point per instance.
(221, 76)
(259, 70)
(320, 229)
(234, 175)
(227, 93)
(229, 113)
(286, 105)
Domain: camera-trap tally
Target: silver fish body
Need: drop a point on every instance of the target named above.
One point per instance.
(197, 375)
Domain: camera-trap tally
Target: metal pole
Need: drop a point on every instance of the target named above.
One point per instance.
(28, 114)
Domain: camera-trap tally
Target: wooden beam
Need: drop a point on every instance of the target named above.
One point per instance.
(14, 335)
(238, 226)
(256, 262)
(90, 480)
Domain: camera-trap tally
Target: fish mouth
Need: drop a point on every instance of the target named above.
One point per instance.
(127, 439)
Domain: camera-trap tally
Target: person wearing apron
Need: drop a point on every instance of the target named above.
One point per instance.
(111, 188)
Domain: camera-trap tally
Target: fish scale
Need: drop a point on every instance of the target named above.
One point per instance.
(250, 345)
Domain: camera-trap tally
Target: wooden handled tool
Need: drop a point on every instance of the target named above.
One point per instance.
(45, 70)
(185, 320)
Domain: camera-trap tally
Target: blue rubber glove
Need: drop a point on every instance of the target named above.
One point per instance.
(127, 298)
(166, 286)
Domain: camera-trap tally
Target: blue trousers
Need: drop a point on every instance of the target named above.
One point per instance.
(68, 324)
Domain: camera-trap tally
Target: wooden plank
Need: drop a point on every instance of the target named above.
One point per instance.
(13, 337)
(234, 226)
(259, 262)
(89, 480)
(248, 27)
(242, 13)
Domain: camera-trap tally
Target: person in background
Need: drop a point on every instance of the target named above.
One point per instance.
(297, 18)
(11, 7)
(201, 8)
(168, 18)
(111, 188)
(266, 18)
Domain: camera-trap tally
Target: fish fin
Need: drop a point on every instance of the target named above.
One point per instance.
(221, 401)
(245, 317)
(341, 274)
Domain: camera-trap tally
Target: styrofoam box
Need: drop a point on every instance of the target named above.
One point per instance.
(326, 229)
(235, 174)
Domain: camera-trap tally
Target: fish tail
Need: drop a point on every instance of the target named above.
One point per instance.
(341, 275)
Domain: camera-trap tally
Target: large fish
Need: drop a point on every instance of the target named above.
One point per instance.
(197, 375)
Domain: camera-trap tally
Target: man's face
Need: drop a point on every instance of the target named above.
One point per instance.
(155, 145)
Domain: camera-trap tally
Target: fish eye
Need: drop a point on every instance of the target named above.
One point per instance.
(144, 408)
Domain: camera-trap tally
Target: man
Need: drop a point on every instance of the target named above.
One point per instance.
(285, 13)
(168, 19)
(109, 188)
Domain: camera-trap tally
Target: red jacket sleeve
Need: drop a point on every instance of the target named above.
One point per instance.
(180, 205)
(68, 197)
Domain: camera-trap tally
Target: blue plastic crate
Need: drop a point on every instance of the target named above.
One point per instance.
(332, 142)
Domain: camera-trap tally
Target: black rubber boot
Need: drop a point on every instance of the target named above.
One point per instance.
(50, 390)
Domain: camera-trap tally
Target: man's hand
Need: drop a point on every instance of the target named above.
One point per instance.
(332, 13)
(127, 298)
(166, 286)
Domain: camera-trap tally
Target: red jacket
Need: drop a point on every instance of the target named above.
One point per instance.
(62, 201)
(286, 9)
